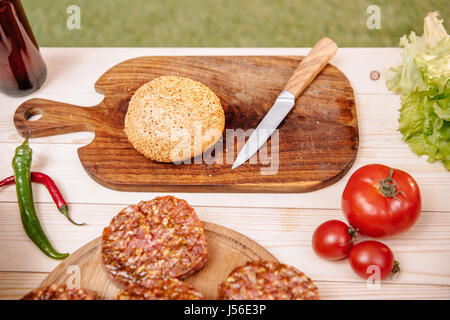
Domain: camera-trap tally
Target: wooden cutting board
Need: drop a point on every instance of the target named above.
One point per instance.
(318, 140)
(227, 249)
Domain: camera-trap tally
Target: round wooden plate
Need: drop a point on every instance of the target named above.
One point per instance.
(227, 249)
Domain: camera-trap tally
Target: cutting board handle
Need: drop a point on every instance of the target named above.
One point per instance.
(56, 118)
(311, 65)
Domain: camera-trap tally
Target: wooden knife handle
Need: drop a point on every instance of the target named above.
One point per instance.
(311, 66)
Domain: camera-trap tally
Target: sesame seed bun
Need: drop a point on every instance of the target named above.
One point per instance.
(171, 119)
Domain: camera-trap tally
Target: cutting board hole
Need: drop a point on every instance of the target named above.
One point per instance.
(33, 114)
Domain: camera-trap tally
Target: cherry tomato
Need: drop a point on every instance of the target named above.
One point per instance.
(332, 240)
(380, 201)
(369, 257)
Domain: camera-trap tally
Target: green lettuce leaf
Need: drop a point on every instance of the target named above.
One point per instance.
(434, 64)
(442, 104)
(407, 77)
(424, 131)
(423, 81)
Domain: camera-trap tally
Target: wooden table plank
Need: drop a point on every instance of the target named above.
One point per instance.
(424, 251)
(358, 291)
(72, 77)
(14, 285)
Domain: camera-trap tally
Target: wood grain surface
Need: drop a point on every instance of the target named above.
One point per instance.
(318, 140)
(227, 249)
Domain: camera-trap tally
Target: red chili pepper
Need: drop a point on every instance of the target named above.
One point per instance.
(57, 197)
(7, 181)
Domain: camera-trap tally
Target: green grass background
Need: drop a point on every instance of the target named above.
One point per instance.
(227, 23)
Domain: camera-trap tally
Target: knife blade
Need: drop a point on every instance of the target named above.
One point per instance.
(307, 70)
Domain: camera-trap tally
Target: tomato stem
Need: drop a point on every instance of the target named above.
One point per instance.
(396, 268)
(389, 188)
(352, 232)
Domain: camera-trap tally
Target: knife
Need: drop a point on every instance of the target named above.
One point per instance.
(307, 70)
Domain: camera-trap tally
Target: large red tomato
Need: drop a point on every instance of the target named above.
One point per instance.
(380, 201)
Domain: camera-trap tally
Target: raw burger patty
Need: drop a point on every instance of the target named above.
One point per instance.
(59, 292)
(154, 239)
(263, 280)
(161, 289)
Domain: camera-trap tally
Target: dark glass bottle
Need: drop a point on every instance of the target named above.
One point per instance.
(22, 69)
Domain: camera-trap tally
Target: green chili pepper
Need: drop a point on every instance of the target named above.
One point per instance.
(22, 174)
